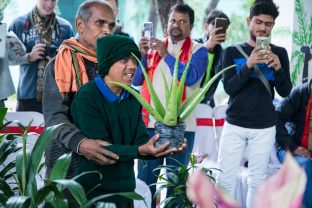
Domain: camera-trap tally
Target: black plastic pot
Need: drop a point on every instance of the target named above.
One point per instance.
(173, 134)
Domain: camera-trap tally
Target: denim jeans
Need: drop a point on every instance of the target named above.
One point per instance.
(234, 140)
(146, 167)
(307, 165)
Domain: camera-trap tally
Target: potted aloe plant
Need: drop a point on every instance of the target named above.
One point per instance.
(170, 118)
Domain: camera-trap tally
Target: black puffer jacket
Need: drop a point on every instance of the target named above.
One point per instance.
(292, 109)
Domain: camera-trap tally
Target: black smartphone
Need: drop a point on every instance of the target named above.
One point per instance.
(221, 22)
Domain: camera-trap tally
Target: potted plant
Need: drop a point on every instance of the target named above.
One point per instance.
(170, 119)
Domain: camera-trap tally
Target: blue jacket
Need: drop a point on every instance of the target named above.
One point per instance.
(24, 30)
(292, 110)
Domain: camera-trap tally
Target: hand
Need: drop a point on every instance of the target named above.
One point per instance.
(303, 152)
(93, 150)
(214, 39)
(258, 55)
(150, 149)
(144, 45)
(160, 46)
(273, 61)
(37, 52)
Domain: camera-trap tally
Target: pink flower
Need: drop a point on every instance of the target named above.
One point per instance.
(284, 189)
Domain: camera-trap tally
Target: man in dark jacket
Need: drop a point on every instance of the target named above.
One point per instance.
(294, 131)
(250, 116)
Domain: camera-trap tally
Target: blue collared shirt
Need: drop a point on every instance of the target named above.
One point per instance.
(107, 93)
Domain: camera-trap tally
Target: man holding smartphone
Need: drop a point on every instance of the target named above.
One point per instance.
(160, 54)
(212, 40)
(250, 117)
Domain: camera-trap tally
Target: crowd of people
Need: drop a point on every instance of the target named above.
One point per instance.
(67, 77)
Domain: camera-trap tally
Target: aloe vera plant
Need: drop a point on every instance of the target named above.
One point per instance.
(174, 112)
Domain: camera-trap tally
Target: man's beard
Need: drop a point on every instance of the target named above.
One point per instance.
(253, 37)
(176, 35)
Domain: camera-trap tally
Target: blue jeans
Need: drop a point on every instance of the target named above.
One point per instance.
(146, 167)
(307, 164)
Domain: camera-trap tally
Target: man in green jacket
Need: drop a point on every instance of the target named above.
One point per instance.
(104, 111)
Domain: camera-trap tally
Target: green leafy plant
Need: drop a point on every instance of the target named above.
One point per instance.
(25, 192)
(175, 178)
(174, 112)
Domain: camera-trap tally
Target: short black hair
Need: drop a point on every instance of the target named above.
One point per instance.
(185, 9)
(214, 14)
(267, 7)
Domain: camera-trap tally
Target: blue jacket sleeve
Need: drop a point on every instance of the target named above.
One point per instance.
(138, 77)
(233, 81)
(198, 66)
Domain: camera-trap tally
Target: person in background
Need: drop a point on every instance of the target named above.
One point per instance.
(213, 42)
(15, 53)
(75, 59)
(160, 54)
(104, 111)
(250, 116)
(294, 131)
(119, 26)
(41, 31)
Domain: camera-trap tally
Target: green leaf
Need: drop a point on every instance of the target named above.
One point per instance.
(18, 202)
(5, 188)
(199, 97)
(157, 104)
(3, 112)
(38, 150)
(171, 116)
(137, 95)
(75, 189)
(3, 199)
(182, 83)
(165, 86)
(60, 168)
(43, 193)
(189, 100)
(22, 169)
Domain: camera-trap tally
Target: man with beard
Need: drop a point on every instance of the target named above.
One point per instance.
(74, 65)
(160, 54)
(42, 32)
(250, 117)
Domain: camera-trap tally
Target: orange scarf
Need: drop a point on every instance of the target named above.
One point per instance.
(65, 76)
(153, 60)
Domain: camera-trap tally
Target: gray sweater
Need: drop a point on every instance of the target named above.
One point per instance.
(56, 110)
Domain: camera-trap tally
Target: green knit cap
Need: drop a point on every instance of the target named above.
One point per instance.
(112, 48)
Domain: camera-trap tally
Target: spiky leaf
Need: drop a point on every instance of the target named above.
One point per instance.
(189, 108)
(137, 95)
(157, 104)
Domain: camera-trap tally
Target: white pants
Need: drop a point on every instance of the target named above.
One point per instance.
(234, 140)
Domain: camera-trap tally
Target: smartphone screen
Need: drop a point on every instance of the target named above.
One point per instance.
(221, 22)
(148, 30)
(263, 43)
